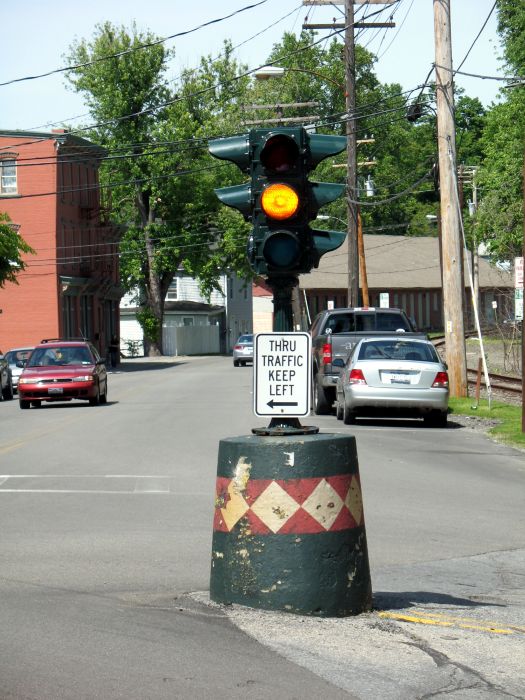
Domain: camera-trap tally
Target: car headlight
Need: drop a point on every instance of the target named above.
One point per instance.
(83, 378)
(28, 380)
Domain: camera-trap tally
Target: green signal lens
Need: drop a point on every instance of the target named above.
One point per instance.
(281, 249)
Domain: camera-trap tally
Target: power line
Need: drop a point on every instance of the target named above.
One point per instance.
(477, 36)
(149, 44)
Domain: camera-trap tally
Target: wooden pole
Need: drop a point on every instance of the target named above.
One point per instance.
(450, 229)
(523, 327)
(351, 156)
(362, 261)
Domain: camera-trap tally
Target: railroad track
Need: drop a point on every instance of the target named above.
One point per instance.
(499, 382)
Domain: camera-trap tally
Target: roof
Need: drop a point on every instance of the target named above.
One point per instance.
(63, 136)
(182, 306)
(396, 262)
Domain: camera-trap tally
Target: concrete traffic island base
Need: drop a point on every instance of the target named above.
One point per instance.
(288, 530)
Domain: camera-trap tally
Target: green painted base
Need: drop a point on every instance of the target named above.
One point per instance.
(324, 574)
(289, 529)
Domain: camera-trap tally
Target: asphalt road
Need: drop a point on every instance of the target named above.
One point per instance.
(105, 534)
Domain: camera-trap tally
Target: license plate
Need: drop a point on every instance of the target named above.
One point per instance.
(55, 390)
(399, 379)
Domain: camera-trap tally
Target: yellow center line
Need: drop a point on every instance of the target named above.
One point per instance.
(440, 620)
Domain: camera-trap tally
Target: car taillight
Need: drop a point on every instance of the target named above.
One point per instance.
(441, 380)
(327, 354)
(237, 347)
(356, 376)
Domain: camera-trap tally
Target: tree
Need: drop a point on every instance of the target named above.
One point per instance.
(500, 220)
(12, 246)
(401, 152)
(162, 182)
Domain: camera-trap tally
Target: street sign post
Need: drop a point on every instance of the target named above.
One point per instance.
(282, 374)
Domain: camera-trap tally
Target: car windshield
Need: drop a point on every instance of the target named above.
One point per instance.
(398, 350)
(60, 356)
(246, 339)
(14, 356)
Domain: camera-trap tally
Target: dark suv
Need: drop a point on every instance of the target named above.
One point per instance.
(62, 370)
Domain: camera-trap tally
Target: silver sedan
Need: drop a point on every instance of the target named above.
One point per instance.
(392, 376)
(243, 350)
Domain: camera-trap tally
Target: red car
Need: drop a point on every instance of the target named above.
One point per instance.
(62, 370)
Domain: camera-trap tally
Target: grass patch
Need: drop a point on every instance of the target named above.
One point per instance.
(507, 432)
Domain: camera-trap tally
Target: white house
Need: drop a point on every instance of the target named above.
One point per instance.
(192, 325)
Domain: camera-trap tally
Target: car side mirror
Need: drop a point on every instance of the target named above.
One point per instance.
(338, 362)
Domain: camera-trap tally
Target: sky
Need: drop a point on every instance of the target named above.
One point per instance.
(36, 36)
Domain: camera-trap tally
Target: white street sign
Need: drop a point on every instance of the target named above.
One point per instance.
(384, 300)
(282, 372)
(518, 304)
(518, 273)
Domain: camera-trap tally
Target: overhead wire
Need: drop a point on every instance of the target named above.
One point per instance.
(133, 49)
(151, 110)
(194, 70)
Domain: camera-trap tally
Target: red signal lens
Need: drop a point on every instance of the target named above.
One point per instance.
(280, 153)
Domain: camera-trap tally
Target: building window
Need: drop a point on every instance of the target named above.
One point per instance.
(8, 176)
(173, 292)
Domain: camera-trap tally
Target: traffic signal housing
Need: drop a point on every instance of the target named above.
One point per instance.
(279, 200)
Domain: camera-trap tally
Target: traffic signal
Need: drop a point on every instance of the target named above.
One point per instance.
(280, 201)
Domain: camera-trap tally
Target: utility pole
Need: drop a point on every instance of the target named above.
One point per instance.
(351, 128)
(351, 159)
(450, 228)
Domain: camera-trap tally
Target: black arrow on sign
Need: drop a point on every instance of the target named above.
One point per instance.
(273, 403)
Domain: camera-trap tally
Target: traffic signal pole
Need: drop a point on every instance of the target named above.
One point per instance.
(351, 157)
(288, 526)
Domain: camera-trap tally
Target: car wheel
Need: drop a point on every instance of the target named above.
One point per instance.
(348, 415)
(321, 405)
(95, 400)
(7, 392)
(36, 404)
(236, 363)
(104, 396)
(24, 404)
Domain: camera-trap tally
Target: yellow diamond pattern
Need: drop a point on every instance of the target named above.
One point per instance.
(235, 508)
(354, 501)
(324, 504)
(274, 507)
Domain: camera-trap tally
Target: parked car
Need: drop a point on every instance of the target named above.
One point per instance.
(336, 331)
(392, 375)
(62, 370)
(17, 358)
(243, 350)
(6, 381)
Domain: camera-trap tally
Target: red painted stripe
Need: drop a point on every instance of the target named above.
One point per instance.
(300, 490)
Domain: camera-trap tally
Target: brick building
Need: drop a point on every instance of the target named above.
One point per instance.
(70, 287)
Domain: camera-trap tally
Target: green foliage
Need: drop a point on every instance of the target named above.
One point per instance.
(151, 325)
(165, 199)
(12, 246)
(508, 431)
(500, 219)
(511, 26)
